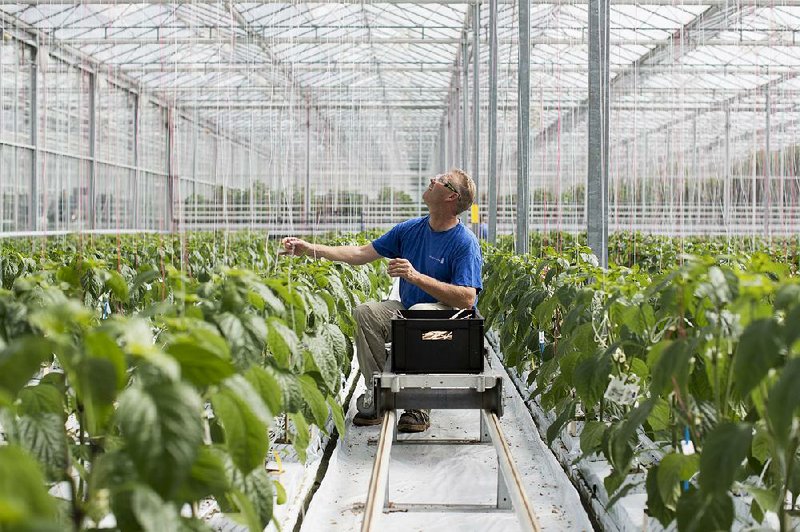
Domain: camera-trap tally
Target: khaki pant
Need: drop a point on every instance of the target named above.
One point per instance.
(374, 329)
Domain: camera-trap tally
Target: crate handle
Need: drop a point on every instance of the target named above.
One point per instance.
(437, 335)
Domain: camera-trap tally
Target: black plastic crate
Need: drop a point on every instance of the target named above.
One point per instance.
(428, 341)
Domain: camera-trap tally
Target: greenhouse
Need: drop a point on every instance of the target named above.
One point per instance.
(399, 265)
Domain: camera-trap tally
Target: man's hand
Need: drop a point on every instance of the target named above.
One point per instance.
(403, 269)
(295, 246)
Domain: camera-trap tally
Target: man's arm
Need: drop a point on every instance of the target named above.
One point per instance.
(355, 255)
(449, 294)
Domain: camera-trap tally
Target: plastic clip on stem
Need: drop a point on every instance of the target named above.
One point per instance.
(687, 447)
(541, 344)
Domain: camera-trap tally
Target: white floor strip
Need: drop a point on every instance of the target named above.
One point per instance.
(451, 474)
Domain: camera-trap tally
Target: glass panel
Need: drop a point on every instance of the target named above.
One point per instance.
(15, 180)
(64, 97)
(15, 91)
(64, 193)
(114, 194)
(115, 123)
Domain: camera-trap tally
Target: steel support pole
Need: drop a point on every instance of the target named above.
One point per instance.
(598, 118)
(523, 122)
(464, 101)
(442, 162)
(492, 170)
(419, 170)
(476, 108)
(726, 185)
(33, 204)
(170, 225)
(92, 188)
(767, 169)
(137, 173)
(307, 192)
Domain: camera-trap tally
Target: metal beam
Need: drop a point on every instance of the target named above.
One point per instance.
(476, 108)
(767, 168)
(755, 3)
(548, 68)
(598, 128)
(33, 204)
(523, 124)
(421, 41)
(492, 130)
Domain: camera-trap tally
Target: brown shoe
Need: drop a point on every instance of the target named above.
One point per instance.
(365, 420)
(414, 421)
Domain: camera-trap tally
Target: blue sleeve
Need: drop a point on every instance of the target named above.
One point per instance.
(388, 245)
(467, 267)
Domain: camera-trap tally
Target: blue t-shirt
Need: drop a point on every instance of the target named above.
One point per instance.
(452, 256)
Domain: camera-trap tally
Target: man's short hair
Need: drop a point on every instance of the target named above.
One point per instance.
(466, 189)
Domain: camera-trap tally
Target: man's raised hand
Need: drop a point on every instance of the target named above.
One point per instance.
(401, 268)
(295, 246)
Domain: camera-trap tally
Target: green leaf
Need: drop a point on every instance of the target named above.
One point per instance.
(267, 387)
(207, 476)
(301, 435)
(669, 361)
(324, 361)
(698, 512)
(257, 486)
(232, 329)
(592, 436)
(291, 393)
(147, 276)
(162, 430)
(619, 451)
(203, 356)
(591, 378)
(280, 492)
(337, 413)
(44, 437)
(759, 349)
(117, 285)
(766, 499)
(672, 470)
(296, 317)
(566, 413)
(99, 378)
(24, 500)
(655, 503)
(245, 434)
(315, 400)
(724, 450)
(782, 402)
(152, 513)
(41, 399)
(336, 341)
(659, 417)
(282, 341)
(20, 361)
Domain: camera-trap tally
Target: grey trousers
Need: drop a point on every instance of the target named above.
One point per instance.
(374, 329)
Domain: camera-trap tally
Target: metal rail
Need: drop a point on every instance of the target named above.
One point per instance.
(379, 482)
(510, 474)
(510, 488)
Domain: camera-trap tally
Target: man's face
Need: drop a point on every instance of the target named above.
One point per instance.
(440, 189)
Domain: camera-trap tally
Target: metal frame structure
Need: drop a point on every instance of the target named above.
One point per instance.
(390, 79)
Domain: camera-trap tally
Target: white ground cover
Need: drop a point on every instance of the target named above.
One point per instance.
(453, 474)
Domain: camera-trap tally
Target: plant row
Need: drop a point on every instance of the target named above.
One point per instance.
(137, 381)
(690, 373)
(656, 253)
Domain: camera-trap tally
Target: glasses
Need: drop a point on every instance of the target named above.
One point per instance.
(446, 184)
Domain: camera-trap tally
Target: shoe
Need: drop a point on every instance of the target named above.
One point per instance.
(414, 421)
(366, 420)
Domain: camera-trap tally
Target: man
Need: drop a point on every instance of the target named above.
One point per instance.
(438, 261)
